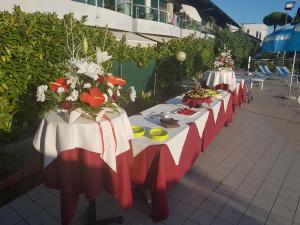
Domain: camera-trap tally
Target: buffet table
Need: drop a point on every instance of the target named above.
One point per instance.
(160, 165)
(86, 157)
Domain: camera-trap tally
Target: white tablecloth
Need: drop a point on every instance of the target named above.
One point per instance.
(213, 78)
(177, 136)
(55, 135)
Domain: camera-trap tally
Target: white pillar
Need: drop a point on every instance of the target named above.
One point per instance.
(147, 5)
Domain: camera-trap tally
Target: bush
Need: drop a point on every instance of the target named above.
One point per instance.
(34, 50)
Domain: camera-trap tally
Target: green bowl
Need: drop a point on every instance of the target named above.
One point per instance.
(138, 131)
(158, 134)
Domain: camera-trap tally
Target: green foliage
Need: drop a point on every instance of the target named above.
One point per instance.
(239, 43)
(277, 19)
(199, 57)
(34, 48)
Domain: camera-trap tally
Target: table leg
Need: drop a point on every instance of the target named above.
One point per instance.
(91, 213)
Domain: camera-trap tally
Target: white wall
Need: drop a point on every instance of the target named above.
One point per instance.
(256, 27)
(96, 15)
(153, 27)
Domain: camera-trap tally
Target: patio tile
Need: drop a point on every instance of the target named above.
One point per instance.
(238, 205)
(20, 202)
(184, 209)
(210, 207)
(37, 192)
(4, 210)
(246, 220)
(29, 210)
(270, 196)
(47, 200)
(271, 187)
(219, 221)
(10, 219)
(278, 220)
(174, 219)
(218, 198)
(286, 202)
(262, 203)
(23, 222)
(283, 212)
(201, 217)
(257, 213)
(230, 215)
(55, 211)
(189, 222)
(288, 193)
(192, 199)
(39, 218)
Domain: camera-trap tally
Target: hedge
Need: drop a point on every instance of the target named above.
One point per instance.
(33, 51)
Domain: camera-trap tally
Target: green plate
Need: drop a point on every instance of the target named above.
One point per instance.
(138, 131)
(158, 134)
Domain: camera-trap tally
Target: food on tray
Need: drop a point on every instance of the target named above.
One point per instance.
(186, 111)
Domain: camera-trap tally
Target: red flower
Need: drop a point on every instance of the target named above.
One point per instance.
(67, 105)
(94, 97)
(116, 81)
(60, 82)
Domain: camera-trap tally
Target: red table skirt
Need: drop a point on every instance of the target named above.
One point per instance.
(80, 171)
(154, 168)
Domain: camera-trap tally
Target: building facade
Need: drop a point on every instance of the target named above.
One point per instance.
(256, 30)
(144, 22)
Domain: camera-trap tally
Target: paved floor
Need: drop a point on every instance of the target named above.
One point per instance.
(249, 175)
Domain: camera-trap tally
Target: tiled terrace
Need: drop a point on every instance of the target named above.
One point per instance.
(249, 175)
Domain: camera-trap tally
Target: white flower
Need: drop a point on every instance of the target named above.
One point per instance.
(110, 85)
(102, 56)
(73, 96)
(118, 93)
(132, 94)
(87, 85)
(89, 69)
(72, 81)
(60, 90)
(105, 97)
(119, 87)
(110, 92)
(40, 93)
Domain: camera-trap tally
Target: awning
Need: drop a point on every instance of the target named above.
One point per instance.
(133, 39)
(191, 12)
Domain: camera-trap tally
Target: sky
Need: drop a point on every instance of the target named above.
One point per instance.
(253, 11)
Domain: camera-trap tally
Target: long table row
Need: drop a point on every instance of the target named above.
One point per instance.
(78, 158)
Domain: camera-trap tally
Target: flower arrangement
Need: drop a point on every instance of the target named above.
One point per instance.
(224, 61)
(86, 88)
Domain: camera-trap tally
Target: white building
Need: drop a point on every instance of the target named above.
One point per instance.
(257, 30)
(145, 24)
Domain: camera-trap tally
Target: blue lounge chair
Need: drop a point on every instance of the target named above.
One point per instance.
(264, 72)
(284, 73)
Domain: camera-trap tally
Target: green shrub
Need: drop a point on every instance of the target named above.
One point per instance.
(34, 50)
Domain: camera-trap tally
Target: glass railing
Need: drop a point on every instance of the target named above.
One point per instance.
(150, 13)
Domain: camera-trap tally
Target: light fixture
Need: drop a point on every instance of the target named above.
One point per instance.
(181, 56)
(289, 5)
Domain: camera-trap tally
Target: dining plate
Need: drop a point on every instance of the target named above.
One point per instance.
(138, 131)
(158, 134)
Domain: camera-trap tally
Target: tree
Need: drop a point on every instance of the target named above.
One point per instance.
(277, 18)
